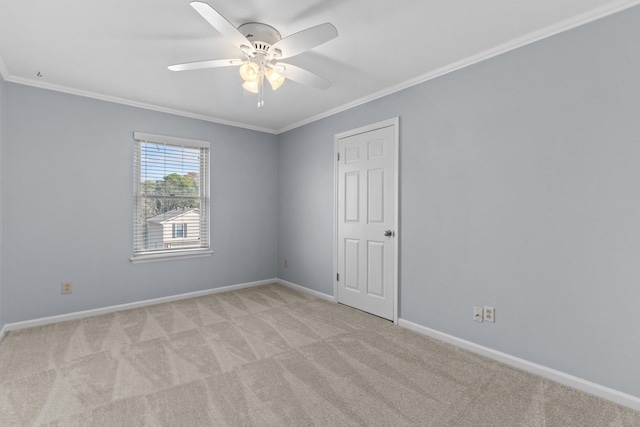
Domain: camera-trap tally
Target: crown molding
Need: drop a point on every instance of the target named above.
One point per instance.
(4, 71)
(552, 30)
(128, 102)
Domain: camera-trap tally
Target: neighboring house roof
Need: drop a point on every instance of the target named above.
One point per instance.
(171, 215)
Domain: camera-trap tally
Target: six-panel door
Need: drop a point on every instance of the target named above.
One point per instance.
(365, 213)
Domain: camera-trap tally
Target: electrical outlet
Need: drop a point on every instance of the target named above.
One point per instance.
(478, 314)
(67, 288)
(286, 263)
(489, 314)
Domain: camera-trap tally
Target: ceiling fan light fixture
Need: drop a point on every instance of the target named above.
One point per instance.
(274, 78)
(251, 86)
(249, 71)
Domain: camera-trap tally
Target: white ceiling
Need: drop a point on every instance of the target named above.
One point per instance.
(119, 49)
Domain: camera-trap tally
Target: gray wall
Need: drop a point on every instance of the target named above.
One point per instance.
(2, 184)
(69, 205)
(519, 189)
(305, 214)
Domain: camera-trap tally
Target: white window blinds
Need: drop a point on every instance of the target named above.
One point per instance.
(171, 197)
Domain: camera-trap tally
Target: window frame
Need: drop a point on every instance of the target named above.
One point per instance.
(205, 174)
(179, 230)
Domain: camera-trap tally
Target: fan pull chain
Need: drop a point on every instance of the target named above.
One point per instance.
(261, 88)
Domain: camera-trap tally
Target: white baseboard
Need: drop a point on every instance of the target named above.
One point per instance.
(104, 310)
(306, 290)
(607, 393)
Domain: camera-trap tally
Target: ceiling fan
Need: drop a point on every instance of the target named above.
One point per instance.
(262, 47)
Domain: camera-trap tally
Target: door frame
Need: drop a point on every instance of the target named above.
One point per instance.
(395, 123)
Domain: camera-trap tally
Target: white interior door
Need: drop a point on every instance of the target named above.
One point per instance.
(366, 220)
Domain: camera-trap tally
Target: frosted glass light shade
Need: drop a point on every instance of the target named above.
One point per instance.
(274, 78)
(251, 86)
(249, 71)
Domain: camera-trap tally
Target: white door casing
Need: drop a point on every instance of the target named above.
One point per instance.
(366, 199)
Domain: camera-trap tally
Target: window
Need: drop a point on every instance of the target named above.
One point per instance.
(179, 230)
(171, 198)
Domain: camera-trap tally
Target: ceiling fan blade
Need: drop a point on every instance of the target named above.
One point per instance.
(301, 75)
(221, 24)
(304, 40)
(212, 63)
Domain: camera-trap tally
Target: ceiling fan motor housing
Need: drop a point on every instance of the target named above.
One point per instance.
(262, 37)
(258, 33)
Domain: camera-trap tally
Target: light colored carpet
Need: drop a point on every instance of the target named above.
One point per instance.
(269, 356)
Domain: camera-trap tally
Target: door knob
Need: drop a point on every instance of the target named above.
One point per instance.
(388, 233)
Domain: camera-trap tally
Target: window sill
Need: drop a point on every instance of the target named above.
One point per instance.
(171, 256)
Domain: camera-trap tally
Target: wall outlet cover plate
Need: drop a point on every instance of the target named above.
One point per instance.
(489, 314)
(478, 314)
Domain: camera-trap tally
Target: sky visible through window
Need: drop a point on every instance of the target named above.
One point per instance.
(158, 161)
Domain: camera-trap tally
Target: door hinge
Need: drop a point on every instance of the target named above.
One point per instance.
(338, 277)
(338, 156)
